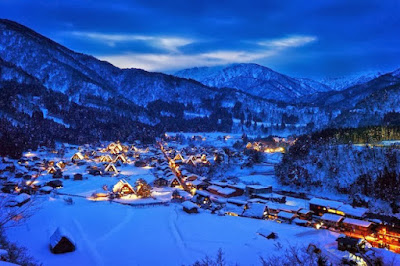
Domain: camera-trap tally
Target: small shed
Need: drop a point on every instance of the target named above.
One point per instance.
(160, 182)
(78, 177)
(190, 207)
(61, 242)
(268, 234)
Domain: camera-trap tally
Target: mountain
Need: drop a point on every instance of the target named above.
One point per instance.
(79, 75)
(255, 79)
(344, 82)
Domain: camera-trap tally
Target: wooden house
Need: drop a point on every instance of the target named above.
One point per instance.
(286, 217)
(268, 234)
(121, 158)
(320, 206)
(61, 242)
(356, 226)
(257, 189)
(190, 207)
(351, 244)
(51, 170)
(60, 165)
(331, 220)
(305, 214)
(111, 169)
(123, 188)
(255, 210)
(78, 177)
(106, 159)
(233, 210)
(175, 182)
(77, 157)
(160, 182)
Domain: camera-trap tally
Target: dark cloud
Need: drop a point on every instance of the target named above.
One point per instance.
(343, 36)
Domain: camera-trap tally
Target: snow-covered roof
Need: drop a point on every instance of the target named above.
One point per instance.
(202, 193)
(21, 198)
(258, 187)
(255, 210)
(265, 232)
(304, 211)
(350, 210)
(357, 222)
(189, 205)
(326, 203)
(233, 209)
(226, 191)
(285, 215)
(283, 207)
(331, 217)
(58, 235)
(236, 201)
(46, 189)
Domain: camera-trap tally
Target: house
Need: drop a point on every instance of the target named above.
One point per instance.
(252, 190)
(320, 206)
(255, 210)
(178, 157)
(286, 217)
(222, 191)
(202, 198)
(305, 214)
(121, 158)
(61, 242)
(331, 220)
(111, 169)
(175, 182)
(106, 159)
(78, 177)
(357, 226)
(352, 212)
(18, 201)
(270, 197)
(160, 182)
(55, 184)
(267, 233)
(191, 161)
(233, 210)
(301, 222)
(351, 244)
(190, 207)
(77, 157)
(60, 165)
(123, 188)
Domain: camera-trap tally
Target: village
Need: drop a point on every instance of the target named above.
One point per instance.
(200, 175)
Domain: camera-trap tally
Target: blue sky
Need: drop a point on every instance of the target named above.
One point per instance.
(299, 38)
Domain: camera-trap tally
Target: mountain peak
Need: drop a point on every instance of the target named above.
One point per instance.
(255, 79)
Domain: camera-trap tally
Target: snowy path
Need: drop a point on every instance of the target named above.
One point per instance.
(88, 245)
(118, 228)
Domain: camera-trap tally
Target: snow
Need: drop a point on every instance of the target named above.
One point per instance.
(189, 205)
(137, 233)
(326, 203)
(331, 217)
(357, 222)
(350, 210)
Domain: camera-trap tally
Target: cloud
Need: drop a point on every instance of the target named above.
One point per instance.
(169, 43)
(162, 62)
(287, 42)
(177, 59)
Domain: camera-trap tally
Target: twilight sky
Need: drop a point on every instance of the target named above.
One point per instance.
(299, 38)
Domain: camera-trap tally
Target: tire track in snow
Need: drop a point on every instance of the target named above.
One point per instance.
(119, 227)
(175, 232)
(90, 247)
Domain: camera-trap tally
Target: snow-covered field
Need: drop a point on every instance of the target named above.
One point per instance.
(111, 234)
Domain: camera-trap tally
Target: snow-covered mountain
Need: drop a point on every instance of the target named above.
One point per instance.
(344, 82)
(254, 79)
(78, 75)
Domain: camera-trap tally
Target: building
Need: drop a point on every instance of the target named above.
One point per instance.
(255, 210)
(123, 188)
(357, 226)
(77, 157)
(252, 190)
(111, 169)
(350, 244)
(61, 242)
(264, 232)
(320, 206)
(160, 182)
(331, 220)
(286, 217)
(190, 207)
